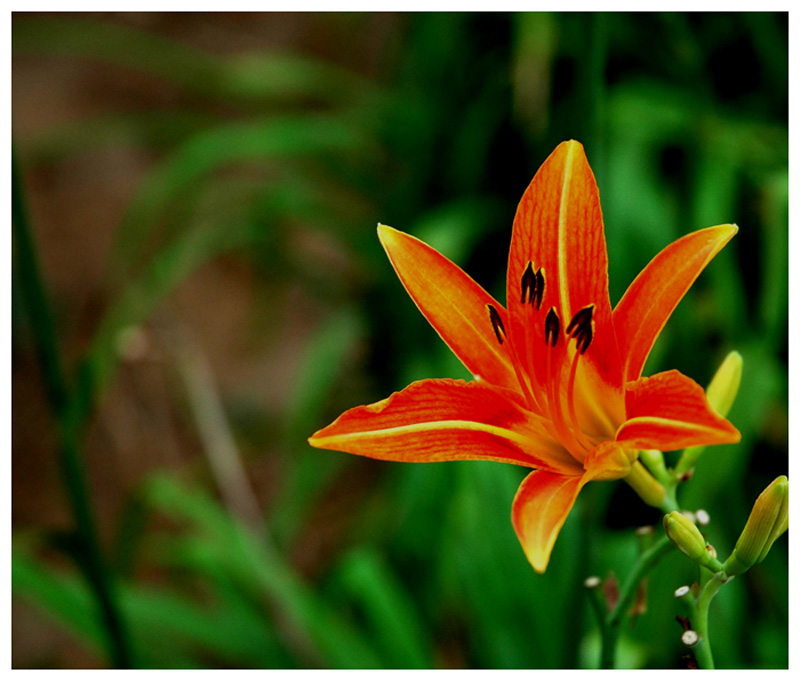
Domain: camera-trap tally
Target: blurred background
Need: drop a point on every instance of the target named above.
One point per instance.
(198, 287)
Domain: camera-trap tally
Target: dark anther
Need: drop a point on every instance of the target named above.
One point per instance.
(497, 323)
(539, 287)
(580, 328)
(528, 285)
(532, 286)
(551, 325)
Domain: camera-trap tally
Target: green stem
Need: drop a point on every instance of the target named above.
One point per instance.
(651, 491)
(702, 651)
(616, 618)
(39, 313)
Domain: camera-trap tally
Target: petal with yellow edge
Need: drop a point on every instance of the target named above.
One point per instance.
(541, 506)
(670, 411)
(454, 304)
(650, 299)
(544, 500)
(446, 420)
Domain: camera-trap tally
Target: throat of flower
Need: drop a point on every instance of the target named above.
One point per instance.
(563, 359)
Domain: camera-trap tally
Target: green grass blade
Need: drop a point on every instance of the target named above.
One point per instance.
(70, 455)
(397, 627)
(255, 563)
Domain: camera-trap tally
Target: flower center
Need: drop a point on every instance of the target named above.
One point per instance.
(551, 360)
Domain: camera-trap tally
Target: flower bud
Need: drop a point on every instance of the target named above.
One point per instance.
(722, 390)
(685, 535)
(768, 520)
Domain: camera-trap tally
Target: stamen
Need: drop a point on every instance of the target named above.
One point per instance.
(551, 327)
(555, 371)
(539, 287)
(497, 323)
(500, 332)
(528, 285)
(580, 328)
(531, 292)
(576, 427)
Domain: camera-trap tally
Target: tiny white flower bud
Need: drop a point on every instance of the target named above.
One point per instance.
(701, 517)
(690, 638)
(681, 591)
(592, 582)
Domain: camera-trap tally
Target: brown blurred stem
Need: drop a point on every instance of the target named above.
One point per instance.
(215, 432)
(33, 293)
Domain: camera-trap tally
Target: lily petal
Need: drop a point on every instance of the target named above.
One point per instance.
(454, 304)
(544, 500)
(446, 420)
(669, 411)
(650, 299)
(541, 506)
(559, 227)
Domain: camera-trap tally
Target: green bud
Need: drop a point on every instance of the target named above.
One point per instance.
(685, 535)
(768, 520)
(722, 390)
(721, 393)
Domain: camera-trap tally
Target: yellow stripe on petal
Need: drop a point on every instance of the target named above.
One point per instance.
(670, 411)
(446, 420)
(454, 305)
(649, 301)
(558, 228)
(651, 432)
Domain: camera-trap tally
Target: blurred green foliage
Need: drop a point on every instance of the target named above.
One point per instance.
(684, 120)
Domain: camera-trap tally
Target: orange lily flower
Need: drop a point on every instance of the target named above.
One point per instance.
(558, 384)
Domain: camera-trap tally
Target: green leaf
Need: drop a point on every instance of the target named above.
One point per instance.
(255, 563)
(388, 607)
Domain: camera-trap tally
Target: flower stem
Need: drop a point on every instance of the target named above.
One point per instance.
(652, 492)
(616, 618)
(702, 651)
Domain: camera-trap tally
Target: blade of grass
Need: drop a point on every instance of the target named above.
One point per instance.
(256, 563)
(166, 270)
(242, 80)
(307, 473)
(70, 455)
(252, 141)
(397, 626)
(154, 130)
(168, 630)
